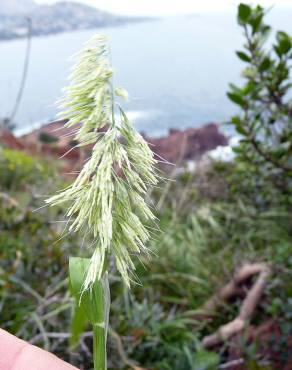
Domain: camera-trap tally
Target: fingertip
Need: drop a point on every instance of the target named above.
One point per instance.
(10, 348)
(16, 354)
(34, 358)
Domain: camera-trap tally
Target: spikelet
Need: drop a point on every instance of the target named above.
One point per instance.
(111, 207)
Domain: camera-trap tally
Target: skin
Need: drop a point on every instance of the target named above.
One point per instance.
(15, 354)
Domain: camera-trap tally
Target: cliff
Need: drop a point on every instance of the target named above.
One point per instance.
(177, 147)
(190, 144)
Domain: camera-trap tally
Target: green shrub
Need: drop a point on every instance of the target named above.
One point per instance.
(19, 169)
(265, 118)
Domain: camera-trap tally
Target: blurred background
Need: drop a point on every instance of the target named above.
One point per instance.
(169, 42)
(225, 216)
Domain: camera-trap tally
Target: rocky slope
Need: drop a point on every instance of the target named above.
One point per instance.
(178, 147)
(189, 144)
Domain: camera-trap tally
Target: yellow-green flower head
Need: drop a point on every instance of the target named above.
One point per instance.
(110, 206)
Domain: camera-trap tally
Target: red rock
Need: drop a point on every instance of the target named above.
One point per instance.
(63, 134)
(7, 139)
(179, 146)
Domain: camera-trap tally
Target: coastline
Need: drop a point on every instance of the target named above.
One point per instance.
(176, 147)
(122, 23)
(133, 116)
(177, 151)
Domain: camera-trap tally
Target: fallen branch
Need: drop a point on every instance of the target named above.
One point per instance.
(233, 287)
(248, 306)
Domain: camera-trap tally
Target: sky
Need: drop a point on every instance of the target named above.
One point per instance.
(169, 7)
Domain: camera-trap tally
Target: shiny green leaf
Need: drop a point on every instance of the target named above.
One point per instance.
(237, 99)
(244, 12)
(241, 55)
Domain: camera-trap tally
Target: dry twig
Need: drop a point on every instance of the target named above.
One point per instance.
(248, 306)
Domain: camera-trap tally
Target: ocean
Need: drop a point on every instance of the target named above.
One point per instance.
(176, 70)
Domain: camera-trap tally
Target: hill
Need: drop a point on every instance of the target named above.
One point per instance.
(49, 19)
(12, 7)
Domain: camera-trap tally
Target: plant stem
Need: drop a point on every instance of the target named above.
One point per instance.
(101, 299)
(99, 348)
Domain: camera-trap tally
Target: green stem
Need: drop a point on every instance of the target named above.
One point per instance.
(93, 305)
(99, 348)
(100, 298)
